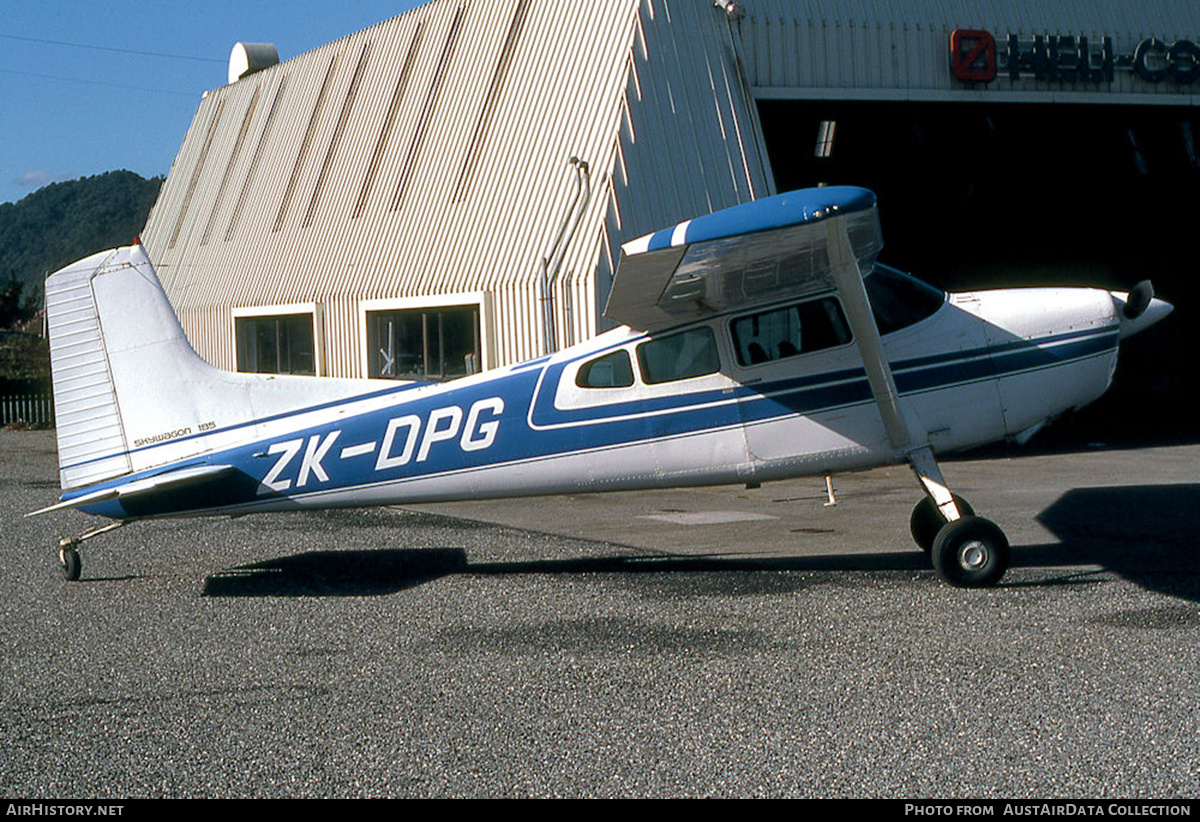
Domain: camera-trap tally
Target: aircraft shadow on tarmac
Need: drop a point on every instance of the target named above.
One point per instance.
(1145, 534)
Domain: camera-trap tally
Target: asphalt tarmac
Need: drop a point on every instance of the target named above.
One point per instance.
(724, 641)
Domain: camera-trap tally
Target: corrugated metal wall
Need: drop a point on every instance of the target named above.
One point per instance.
(688, 141)
(331, 178)
(430, 154)
(877, 49)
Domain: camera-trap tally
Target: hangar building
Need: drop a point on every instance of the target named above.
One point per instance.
(447, 191)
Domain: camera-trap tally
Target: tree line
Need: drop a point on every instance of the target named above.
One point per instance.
(44, 231)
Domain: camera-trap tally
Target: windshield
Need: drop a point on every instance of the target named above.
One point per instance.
(899, 300)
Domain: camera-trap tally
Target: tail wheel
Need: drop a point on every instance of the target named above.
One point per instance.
(971, 552)
(927, 520)
(71, 564)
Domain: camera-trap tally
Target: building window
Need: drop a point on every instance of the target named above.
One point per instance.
(276, 344)
(825, 133)
(435, 343)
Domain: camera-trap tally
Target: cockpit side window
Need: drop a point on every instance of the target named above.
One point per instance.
(691, 353)
(789, 331)
(610, 371)
(899, 300)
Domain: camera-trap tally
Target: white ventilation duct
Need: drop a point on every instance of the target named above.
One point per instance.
(247, 58)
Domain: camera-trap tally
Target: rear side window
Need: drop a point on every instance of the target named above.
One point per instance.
(610, 371)
(786, 332)
(680, 356)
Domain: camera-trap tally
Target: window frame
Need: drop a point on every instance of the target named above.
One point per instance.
(313, 310)
(588, 362)
(570, 397)
(643, 371)
(478, 300)
(888, 325)
(782, 306)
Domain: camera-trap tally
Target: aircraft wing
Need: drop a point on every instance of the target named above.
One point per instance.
(171, 480)
(790, 245)
(758, 252)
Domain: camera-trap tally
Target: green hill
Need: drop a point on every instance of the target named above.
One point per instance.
(64, 222)
(52, 227)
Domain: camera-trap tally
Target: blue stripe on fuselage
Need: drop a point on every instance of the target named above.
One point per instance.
(398, 389)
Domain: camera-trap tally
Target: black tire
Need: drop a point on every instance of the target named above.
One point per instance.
(927, 520)
(971, 552)
(71, 564)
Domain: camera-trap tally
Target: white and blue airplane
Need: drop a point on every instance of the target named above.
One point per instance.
(757, 343)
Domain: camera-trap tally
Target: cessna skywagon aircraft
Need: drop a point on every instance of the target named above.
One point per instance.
(758, 343)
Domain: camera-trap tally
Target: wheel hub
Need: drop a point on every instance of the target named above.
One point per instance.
(973, 555)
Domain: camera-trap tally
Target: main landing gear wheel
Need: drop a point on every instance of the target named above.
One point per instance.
(71, 564)
(971, 552)
(927, 520)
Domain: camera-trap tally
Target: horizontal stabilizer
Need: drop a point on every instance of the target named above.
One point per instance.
(173, 480)
(763, 251)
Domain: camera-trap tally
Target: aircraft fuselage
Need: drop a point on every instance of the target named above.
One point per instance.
(611, 414)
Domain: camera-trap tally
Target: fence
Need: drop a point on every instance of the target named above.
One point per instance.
(30, 409)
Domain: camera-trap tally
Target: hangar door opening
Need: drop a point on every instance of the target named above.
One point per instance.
(975, 195)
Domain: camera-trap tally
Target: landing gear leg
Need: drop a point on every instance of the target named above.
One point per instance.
(68, 549)
(967, 551)
(927, 520)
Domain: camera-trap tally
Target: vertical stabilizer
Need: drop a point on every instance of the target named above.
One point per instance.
(131, 394)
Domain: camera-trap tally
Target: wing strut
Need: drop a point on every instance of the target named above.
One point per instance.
(903, 430)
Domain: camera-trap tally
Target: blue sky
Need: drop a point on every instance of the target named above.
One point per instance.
(118, 82)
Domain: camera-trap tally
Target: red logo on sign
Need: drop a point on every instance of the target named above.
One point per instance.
(973, 55)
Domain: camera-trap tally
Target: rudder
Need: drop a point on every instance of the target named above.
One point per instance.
(91, 439)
